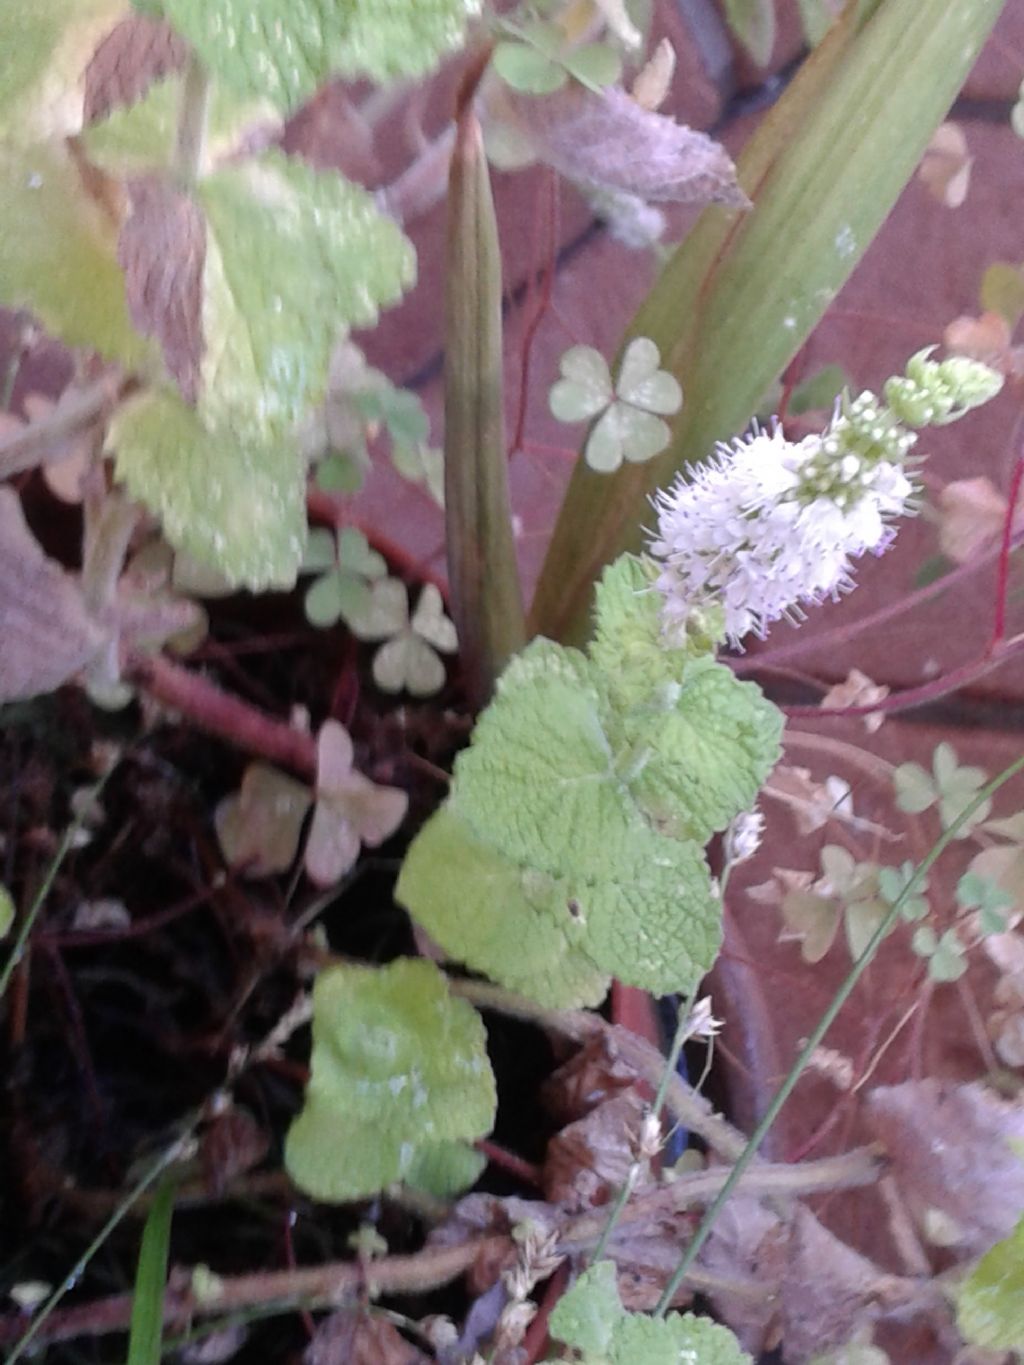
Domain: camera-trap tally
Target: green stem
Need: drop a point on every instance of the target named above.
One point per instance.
(842, 994)
(45, 888)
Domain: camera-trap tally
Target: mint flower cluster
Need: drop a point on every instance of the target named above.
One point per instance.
(769, 526)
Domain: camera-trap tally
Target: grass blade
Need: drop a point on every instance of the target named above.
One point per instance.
(145, 1339)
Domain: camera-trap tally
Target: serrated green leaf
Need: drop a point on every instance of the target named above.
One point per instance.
(753, 22)
(6, 911)
(587, 1314)
(284, 52)
(445, 1169)
(990, 1305)
(140, 138)
(292, 254)
(590, 1317)
(237, 505)
(505, 920)
(398, 1065)
(562, 836)
(58, 254)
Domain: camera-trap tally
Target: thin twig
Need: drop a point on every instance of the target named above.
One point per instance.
(40, 441)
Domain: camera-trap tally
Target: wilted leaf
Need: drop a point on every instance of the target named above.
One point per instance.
(135, 53)
(234, 504)
(607, 141)
(753, 22)
(654, 80)
(590, 1159)
(48, 635)
(162, 250)
(971, 512)
(259, 827)
(352, 1337)
(946, 166)
(376, 1095)
(990, 1306)
(857, 690)
(949, 1146)
(350, 809)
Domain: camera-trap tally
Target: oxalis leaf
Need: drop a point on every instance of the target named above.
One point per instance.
(285, 51)
(569, 831)
(399, 1069)
(238, 505)
(291, 256)
(591, 1318)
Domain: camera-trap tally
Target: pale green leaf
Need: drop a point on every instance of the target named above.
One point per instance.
(915, 791)
(642, 382)
(408, 664)
(258, 828)
(398, 1065)
(445, 1169)
(587, 1314)
(292, 254)
(237, 505)
(862, 919)
(430, 623)
(321, 551)
(6, 911)
(594, 65)
(753, 22)
(285, 51)
(354, 554)
(818, 391)
(399, 410)
(335, 596)
(1002, 291)
(813, 919)
(990, 1305)
(625, 433)
(140, 138)
(340, 473)
(421, 464)
(145, 1337)
(387, 612)
(1003, 866)
(58, 254)
(585, 388)
(948, 962)
(527, 69)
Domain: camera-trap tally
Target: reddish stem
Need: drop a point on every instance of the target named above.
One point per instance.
(207, 707)
(1003, 581)
(509, 1162)
(536, 1338)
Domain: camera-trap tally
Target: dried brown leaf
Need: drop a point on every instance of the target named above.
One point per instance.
(608, 142)
(950, 1150)
(353, 1338)
(162, 249)
(592, 1075)
(971, 513)
(46, 632)
(654, 80)
(231, 1145)
(259, 826)
(857, 690)
(748, 1248)
(589, 1160)
(135, 53)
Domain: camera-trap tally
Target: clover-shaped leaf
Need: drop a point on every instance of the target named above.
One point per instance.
(847, 892)
(346, 566)
(350, 809)
(629, 423)
(951, 786)
(537, 59)
(975, 892)
(947, 959)
(259, 826)
(893, 881)
(408, 660)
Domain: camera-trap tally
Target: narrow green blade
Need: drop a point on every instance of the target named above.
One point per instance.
(146, 1334)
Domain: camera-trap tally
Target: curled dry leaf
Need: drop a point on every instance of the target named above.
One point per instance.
(857, 690)
(162, 250)
(47, 633)
(946, 165)
(354, 1338)
(231, 1145)
(971, 516)
(590, 1159)
(592, 1075)
(651, 87)
(607, 141)
(135, 53)
(986, 338)
(951, 1149)
(813, 804)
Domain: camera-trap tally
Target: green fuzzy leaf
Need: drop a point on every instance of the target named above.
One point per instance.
(990, 1306)
(140, 138)
(753, 22)
(561, 835)
(6, 911)
(398, 1065)
(285, 51)
(292, 255)
(238, 505)
(58, 254)
(591, 1318)
(445, 1169)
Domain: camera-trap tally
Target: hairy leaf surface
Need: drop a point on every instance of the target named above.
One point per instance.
(236, 504)
(398, 1066)
(286, 50)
